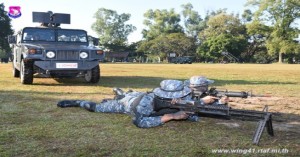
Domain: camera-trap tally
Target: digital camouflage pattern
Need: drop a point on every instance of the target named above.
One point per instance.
(141, 112)
(172, 89)
(139, 105)
(196, 81)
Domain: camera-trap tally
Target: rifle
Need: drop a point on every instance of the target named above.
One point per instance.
(242, 94)
(264, 117)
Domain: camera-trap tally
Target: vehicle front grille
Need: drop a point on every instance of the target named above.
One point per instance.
(67, 55)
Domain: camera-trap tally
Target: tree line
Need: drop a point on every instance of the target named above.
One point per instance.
(263, 33)
(5, 30)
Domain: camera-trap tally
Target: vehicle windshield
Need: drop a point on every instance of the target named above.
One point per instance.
(60, 35)
(39, 35)
(71, 36)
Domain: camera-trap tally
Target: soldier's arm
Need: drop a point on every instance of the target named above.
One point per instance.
(174, 116)
(148, 122)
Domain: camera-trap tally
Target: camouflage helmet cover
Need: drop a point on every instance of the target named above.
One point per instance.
(197, 81)
(171, 89)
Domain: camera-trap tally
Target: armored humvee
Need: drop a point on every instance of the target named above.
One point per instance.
(51, 51)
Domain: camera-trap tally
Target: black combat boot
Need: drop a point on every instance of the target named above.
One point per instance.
(68, 103)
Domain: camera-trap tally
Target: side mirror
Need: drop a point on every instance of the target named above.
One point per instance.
(96, 41)
(12, 39)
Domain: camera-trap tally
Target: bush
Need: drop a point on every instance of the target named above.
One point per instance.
(264, 58)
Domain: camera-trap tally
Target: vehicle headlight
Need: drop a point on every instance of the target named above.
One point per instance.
(50, 54)
(83, 55)
(99, 52)
(33, 51)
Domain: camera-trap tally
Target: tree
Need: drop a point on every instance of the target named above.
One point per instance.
(5, 25)
(163, 45)
(247, 16)
(224, 33)
(258, 34)
(160, 22)
(111, 28)
(280, 14)
(192, 21)
(180, 44)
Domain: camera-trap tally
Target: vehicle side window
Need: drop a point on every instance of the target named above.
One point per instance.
(28, 35)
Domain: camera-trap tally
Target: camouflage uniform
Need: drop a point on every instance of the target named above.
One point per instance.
(199, 85)
(170, 89)
(141, 112)
(139, 104)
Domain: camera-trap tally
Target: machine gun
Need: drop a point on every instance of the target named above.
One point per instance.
(264, 117)
(242, 94)
(220, 93)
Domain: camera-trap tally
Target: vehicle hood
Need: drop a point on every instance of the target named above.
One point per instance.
(60, 46)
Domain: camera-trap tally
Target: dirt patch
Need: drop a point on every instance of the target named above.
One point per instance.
(286, 110)
(230, 125)
(288, 105)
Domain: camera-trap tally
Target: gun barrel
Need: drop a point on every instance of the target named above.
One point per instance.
(241, 94)
(259, 95)
(237, 94)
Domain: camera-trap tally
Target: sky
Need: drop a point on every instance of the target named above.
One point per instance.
(82, 11)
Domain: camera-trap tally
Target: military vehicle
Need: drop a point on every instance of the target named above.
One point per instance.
(182, 60)
(51, 51)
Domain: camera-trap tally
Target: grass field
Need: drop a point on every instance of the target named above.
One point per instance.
(32, 125)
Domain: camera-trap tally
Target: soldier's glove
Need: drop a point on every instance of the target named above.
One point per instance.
(119, 93)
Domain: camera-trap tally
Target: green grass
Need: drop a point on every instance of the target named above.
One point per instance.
(32, 125)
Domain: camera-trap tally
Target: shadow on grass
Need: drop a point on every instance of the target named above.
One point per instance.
(37, 94)
(146, 82)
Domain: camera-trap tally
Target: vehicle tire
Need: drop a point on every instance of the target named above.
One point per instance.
(26, 72)
(93, 76)
(16, 72)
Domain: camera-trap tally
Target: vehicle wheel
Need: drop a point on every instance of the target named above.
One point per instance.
(93, 76)
(26, 72)
(16, 72)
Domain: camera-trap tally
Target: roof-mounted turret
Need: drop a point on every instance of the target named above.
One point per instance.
(48, 19)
